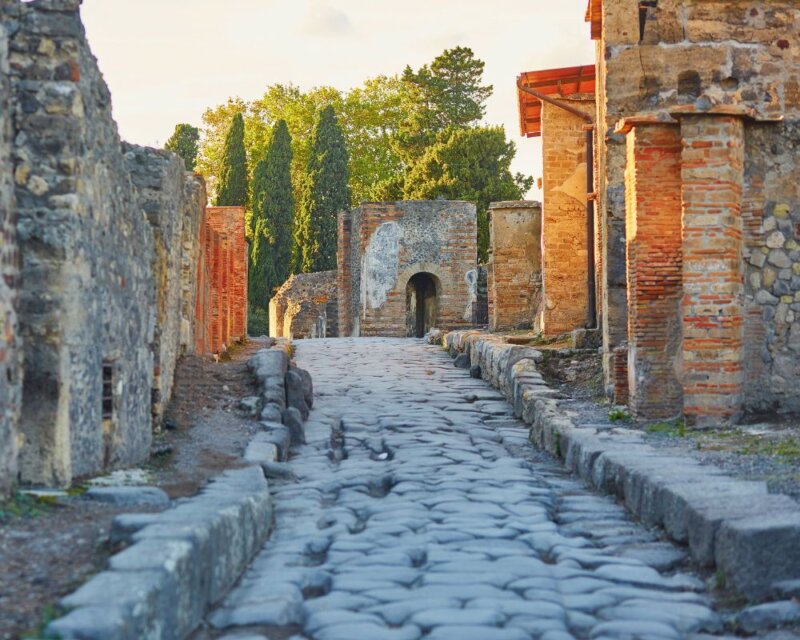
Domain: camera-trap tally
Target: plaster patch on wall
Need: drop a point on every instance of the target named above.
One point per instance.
(575, 185)
(471, 278)
(380, 264)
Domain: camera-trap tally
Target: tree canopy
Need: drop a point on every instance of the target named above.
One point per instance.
(472, 165)
(325, 193)
(392, 127)
(272, 218)
(232, 190)
(184, 141)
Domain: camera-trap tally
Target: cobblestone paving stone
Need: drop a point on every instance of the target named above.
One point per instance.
(421, 511)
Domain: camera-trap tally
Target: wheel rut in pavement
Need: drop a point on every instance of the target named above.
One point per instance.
(421, 511)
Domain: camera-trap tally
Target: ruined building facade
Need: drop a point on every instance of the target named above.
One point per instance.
(306, 306)
(699, 104)
(406, 267)
(99, 290)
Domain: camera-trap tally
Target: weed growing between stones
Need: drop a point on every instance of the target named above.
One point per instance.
(22, 505)
(618, 414)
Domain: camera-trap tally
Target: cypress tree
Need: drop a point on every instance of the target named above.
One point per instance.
(232, 189)
(272, 219)
(184, 141)
(325, 193)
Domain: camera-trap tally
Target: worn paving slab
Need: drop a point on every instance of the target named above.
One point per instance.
(421, 511)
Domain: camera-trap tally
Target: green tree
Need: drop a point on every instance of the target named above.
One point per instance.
(271, 224)
(448, 93)
(326, 192)
(472, 165)
(183, 141)
(232, 189)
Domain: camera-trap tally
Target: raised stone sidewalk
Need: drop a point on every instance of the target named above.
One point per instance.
(749, 535)
(181, 561)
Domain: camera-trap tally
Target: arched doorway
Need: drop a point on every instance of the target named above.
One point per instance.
(422, 306)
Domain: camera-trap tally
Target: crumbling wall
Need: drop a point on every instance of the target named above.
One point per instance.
(194, 205)
(158, 177)
(10, 365)
(515, 269)
(305, 307)
(87, 249)
(390, 243)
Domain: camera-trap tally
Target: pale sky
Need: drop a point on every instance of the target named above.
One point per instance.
(166, 61)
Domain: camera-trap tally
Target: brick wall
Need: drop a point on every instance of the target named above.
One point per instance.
(653, 225)
(227, 247)
(564, 251)
(390, 243)
(515, 267)
(712, 176)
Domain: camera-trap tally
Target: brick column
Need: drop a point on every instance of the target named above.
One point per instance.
(344, 273)
(215, 266)
(653, 241)
(564, 247)
(713, 281)
(514, 276)
(225, 289)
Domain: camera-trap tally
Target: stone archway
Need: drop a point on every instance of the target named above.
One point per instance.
(422, 303)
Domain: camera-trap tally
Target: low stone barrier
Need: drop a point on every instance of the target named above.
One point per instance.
(181, 561)
(750, 536)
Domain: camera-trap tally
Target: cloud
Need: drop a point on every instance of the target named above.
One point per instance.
(324, 20)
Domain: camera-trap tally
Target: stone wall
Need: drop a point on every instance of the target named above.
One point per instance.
(564, 250)
(382, 249)
(85, 309)
(726, 77)
(158, 177)
(112, 268)
(305, 307)
(194, 205)
(10, 366)
(515, 265)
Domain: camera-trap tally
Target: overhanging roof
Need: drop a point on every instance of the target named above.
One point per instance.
(564, 82)
(594, 15)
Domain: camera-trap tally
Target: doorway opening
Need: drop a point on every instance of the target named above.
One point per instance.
(421, 304)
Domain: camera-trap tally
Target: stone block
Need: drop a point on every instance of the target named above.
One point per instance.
(295, 392)
(756, 552)
(129, 496)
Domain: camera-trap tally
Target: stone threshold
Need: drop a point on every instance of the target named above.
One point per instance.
(751, 537)
(180, 562)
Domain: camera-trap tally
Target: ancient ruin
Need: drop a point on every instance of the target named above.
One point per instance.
(515, 284)
(107, 239)
(406, 267)
(305, 307)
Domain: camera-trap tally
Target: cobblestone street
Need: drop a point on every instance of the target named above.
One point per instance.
(420, 510)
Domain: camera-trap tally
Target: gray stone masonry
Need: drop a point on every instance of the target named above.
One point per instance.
(159, 178)
(86, 248)
(10, 365)
(751, 537)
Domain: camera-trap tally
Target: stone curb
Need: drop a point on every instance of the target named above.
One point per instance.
(182, 561)
(750, 536)
(179, 563)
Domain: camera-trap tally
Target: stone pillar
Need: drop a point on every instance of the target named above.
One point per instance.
(653, 240)
(515, 271)
(344, 273)
(713, 281)
(564, 247)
